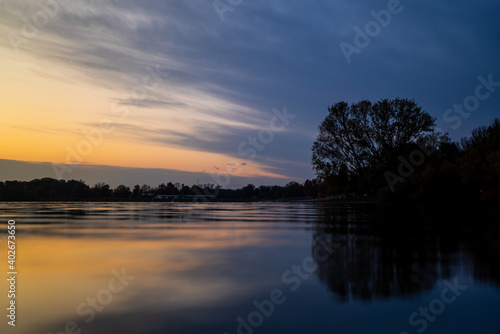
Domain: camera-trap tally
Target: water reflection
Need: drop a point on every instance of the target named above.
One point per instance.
(386, 252)
(198, 267)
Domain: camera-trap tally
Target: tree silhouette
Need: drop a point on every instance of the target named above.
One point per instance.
(100, 190)
(122, 191)
(365, 135)
(481, 160)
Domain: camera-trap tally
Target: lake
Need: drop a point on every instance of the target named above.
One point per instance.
(302, 267)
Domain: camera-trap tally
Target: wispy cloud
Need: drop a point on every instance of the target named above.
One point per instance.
(221, 79)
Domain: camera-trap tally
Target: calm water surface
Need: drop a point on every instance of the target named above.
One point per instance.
(248, 268)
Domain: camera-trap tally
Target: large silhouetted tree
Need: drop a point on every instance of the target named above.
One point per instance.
(367, 135)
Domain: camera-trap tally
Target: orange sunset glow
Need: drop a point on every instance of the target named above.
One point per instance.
(62, 108)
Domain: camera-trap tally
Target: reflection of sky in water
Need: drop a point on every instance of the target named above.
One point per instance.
(198, 267)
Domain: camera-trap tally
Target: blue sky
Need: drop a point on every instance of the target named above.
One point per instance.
(222, 70)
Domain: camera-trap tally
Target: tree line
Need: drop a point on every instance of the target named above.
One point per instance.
(392, 149)
(49, 189)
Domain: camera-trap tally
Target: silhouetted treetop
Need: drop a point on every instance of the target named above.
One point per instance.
(367, 134)
(480, 161)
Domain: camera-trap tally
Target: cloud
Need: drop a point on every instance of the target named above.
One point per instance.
(221, 79)
(116, 175)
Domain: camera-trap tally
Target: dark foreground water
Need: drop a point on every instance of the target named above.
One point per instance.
(248, 268)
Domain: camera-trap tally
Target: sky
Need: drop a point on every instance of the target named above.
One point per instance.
(229, 92)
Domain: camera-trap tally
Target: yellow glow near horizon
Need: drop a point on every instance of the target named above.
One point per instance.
(83, 266)
(45, 115)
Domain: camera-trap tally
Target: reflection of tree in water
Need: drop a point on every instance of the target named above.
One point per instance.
(484, 256)
(383, 255)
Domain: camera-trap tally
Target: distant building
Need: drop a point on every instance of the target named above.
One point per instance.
(186, 197)
(199, 197)
(164, 197)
